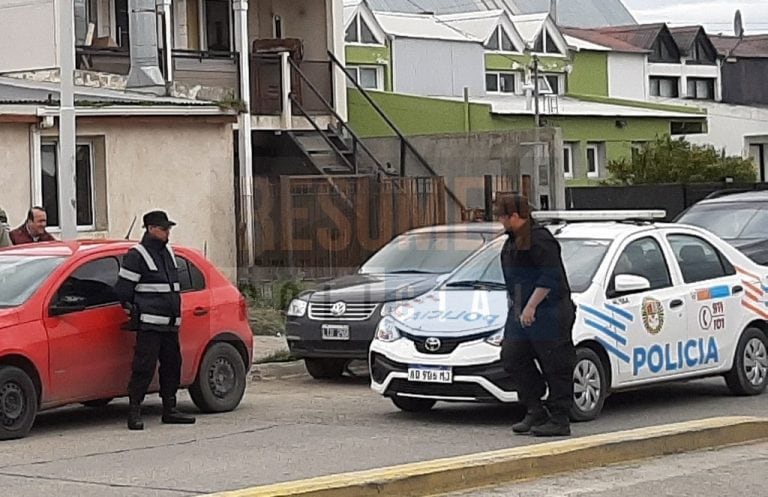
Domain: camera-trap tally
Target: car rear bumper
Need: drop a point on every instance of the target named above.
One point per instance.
(304, 337)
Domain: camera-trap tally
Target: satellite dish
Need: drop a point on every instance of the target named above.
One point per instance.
(738, 25)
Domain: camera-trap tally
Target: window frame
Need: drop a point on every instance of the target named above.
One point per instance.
(379, 75)
(658, 80)
(610, 288)
(711, 84)
(202, 13)
(56, 294)
(498, 36)
(568, 164)
(190, 265)
(596, 148)
(728, 270)
(497, 74)
(357, 22)
(545, 35)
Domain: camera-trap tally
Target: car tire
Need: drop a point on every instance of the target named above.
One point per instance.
(749, 374)
(590, 385)
(324, 368)
(98, 403)
(411, 404)
(221, 378)
(18, 403)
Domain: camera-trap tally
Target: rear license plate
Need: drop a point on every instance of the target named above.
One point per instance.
(335, 332)
(427, 374)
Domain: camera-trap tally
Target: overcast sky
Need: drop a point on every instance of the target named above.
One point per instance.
(715, 15)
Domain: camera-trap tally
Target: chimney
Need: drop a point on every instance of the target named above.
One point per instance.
(145, 71)
(553, 10)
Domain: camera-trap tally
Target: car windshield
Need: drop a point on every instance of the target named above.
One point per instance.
(20, 277)
(430, 253)
(582, 258)
(729, 220)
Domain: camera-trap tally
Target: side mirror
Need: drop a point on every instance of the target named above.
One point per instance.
(630, 283)
(67, 304)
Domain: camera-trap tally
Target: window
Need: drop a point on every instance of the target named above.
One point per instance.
(665, 87)
(663, 51)
(367, 77)
(701, 88)
(218, 14)
(84, 190)
(191, 279)
(121, 24)
(643, 258)
(500, 41)
(500, 82)
(568, 160)
(686, 127)
(702, 54)
(698, 259)
(93, 281)
(593, 160)
(550, 84)
(546, 44)
(360, 32)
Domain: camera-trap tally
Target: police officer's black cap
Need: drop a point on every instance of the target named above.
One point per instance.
(157, 218)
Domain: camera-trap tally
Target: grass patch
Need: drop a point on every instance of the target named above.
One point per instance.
(266, 321)
(279, 356)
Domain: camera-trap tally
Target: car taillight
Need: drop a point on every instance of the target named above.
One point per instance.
(243, 309)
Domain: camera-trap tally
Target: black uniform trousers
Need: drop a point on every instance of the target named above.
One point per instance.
(547, 342)
(152, 346)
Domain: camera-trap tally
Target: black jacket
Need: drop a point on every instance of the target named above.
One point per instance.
(149, 286)
(532, 260)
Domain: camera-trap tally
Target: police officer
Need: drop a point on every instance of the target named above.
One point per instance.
(540, 320)
(149, 289)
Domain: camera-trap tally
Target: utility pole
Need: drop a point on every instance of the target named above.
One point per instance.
(536, 89)
(66, 173)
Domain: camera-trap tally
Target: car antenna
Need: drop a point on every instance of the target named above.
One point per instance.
(128, 235)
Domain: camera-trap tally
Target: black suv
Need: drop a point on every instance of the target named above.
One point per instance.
(335, 323)
(739, 218)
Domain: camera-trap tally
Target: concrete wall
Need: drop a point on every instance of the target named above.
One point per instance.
(590, 74)
(438, 68)
(744, 82)
(626, 76)
(186, 168)
(305, 19)
(731, 126)
(33, 26)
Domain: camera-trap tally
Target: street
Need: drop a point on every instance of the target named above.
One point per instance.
(731, 471)
(297, 428)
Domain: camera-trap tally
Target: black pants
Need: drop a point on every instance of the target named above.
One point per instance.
(151, 346)
(549, 343)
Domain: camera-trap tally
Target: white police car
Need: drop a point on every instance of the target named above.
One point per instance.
(655, 302)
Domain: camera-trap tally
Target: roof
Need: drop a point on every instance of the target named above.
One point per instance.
(583, 38)
(605, 230)
(684, 37)
(754, 46)
(477, 24)
(481, 227)
(750, 196)
(64, 248)
(639, 36)
(529, 25)
(421, 26)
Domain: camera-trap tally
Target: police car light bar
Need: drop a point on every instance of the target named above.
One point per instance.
(598, 215)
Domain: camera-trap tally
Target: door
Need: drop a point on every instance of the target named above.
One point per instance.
(713, 291)
(651, 318)
(90, 355)
(196, 315)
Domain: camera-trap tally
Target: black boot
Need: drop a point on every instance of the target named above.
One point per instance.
(558, 426)
(134, 418)
(172, 416)
(535, 417)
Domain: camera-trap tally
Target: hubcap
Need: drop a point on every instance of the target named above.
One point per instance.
(221, 377)
(12, 404)
(586, 385)
(756, 362)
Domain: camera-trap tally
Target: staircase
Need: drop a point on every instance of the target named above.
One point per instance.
(329, 152)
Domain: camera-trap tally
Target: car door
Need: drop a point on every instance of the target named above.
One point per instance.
(90, 355)
(196, 315)
(646, 320)
(713, 291)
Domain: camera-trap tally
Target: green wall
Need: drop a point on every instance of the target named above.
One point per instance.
(590, 74)
(371, 56)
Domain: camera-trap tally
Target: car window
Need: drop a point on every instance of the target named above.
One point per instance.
(582, 258)
(433, 253)
(728, 220)
(643, 258)
(698, 259)
(191, 279)
(485, 267)
(757, 227)
(21, 276)
(93, 281)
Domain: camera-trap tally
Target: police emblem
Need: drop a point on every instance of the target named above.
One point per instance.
(653, 315)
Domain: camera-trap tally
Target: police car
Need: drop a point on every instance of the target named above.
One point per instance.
(655, 302)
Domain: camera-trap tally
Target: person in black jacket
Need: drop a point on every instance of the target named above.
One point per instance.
(539, 322)
(148, 288)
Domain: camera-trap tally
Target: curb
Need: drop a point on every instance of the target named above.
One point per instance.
(521, 463)
(277, 370)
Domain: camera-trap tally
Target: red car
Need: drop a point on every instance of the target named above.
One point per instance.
(61, 336)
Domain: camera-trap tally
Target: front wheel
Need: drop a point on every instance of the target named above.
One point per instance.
(590, 386)
(18, 403)
(749, 375)
(220, 382)
(412, 404)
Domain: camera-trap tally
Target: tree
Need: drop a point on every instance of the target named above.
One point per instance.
(668, 160)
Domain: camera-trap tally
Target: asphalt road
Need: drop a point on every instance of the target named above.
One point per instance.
(297, 428)
(734, 471)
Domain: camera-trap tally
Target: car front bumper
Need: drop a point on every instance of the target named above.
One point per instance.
(304, 337)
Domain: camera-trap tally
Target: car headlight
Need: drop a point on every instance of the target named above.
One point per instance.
(297, 308)
(496, 338)
(389, 307)
(386, 331)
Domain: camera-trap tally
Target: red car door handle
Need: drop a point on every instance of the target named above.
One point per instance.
(200, 311)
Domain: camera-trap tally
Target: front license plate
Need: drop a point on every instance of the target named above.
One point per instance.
(335, 332)
(427, 374)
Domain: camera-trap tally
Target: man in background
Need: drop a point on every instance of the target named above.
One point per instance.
(5, 230)
(33, 230)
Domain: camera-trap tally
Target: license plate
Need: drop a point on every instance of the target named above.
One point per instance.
(335, 332)
(426, 374)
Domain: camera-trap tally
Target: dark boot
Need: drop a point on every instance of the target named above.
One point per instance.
(558, 426)
(134, 418)
(172, 416)
(534, 417)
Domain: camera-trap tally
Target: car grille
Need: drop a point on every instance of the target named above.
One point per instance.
(457, 389)
(353, 312)
(447, 344)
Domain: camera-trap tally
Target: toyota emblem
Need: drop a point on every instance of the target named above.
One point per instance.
(339, 308)
(433, 344)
